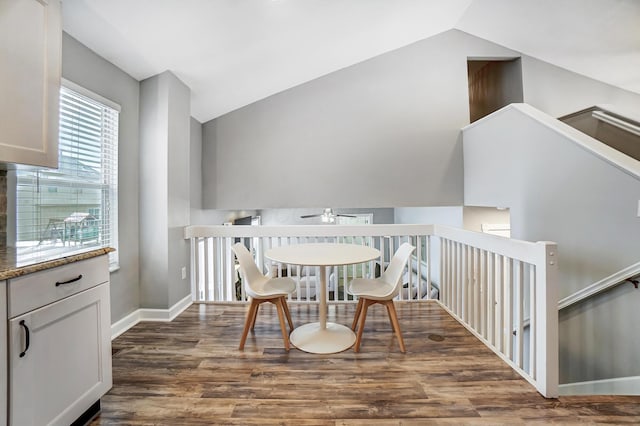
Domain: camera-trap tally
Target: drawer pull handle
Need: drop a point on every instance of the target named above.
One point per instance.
(26, 331)
(72, 280)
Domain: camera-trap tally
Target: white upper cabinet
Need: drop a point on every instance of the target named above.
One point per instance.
(30, 64)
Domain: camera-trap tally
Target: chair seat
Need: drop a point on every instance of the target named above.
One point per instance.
(374, 289)
(272, 287)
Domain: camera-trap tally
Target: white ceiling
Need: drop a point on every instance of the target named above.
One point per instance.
(234, 52)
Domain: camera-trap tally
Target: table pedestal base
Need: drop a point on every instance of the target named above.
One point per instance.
(311, 338)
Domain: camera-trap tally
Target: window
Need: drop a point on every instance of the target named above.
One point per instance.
(76, 206)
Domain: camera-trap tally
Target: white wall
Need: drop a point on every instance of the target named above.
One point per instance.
(382, 133)
(559, 191)
(80, 65)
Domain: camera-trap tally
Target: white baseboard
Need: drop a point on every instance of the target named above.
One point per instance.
(122, 325)
(618, 386)
(145, 314)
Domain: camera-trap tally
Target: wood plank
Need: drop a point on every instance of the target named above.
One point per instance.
(189, 371)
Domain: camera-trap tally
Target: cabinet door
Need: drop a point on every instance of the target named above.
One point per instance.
(30, 52)
(66, 365)
(3, 354)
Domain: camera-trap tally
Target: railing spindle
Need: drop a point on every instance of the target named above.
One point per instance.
(508, 298)
(500, 303)
(532, 321)
(491, 303)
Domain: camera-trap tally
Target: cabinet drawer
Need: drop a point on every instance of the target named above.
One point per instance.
(39, 289)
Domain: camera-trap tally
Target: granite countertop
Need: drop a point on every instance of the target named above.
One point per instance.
(11, 267)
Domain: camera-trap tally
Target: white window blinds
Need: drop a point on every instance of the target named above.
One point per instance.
(74, 207)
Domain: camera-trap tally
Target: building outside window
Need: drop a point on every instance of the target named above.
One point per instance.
(74, 207)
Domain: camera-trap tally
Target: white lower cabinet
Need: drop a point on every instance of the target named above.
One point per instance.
(3, 355)
(59, 355)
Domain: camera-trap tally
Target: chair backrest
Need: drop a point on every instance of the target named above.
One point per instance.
(394, 271)
(248, 266)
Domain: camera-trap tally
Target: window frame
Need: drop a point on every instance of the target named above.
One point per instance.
(113, 187)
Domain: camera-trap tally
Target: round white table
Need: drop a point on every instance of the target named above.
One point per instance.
(322, 337)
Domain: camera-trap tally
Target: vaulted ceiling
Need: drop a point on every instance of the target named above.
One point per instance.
(234, 52)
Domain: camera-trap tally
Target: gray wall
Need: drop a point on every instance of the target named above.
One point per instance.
(153, 195)
(559, 92)
(81, 66)
(475, 217)
(597, 338)
(164, 195)
(195, 165)
(178, 188)
(292, 216)
(559, 191)
(382, 133)
(450, 216)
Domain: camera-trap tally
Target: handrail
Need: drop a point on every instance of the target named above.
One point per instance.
(523, 250)
(604, 284)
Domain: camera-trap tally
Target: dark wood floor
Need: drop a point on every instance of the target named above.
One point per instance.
(190, 371)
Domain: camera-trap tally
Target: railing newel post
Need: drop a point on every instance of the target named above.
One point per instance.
(547, 351)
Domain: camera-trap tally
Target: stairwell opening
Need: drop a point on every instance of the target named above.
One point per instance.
(619, 132)
(493, 84)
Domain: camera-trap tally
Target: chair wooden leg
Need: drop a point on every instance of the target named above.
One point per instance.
(285, 336)
(363, 315)
(287, 313)
(255, 316)
(357, 314)
(389, 314)
(393, 316)
(249, 321)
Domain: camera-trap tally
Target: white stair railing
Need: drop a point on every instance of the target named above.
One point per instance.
(502, 290)
(215, 279)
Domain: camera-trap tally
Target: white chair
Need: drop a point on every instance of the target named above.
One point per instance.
(261, 289)
(380, 290)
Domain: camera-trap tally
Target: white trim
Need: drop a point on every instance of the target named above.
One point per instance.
(124, 324)
(88, 93)
(146, 314)
(617, 386)
(166, 314)
(600, 286)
